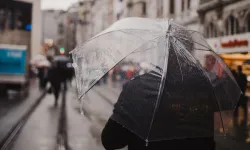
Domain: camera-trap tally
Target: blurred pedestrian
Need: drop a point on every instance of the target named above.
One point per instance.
(242, 80)
(55, 80)
(42, 78)
(234, 74)
(43, 67)
(56, 77)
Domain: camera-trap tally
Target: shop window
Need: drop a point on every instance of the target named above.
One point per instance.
(172, 7)
(232, 25)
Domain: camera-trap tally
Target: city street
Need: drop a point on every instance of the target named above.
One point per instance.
(41, 128)
(13, 110)
(83, 128)
(188, 57)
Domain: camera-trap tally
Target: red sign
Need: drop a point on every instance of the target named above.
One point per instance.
(234, 43)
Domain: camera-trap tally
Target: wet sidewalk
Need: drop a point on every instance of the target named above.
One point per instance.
(84, 127)
(110, 93)
(40, 131)
(13, 111)
(79, 126)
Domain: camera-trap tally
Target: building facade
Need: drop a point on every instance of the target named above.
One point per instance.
(182, 11)
(21, 30)
(224, 17)
(93, 17)
(53, 23)
(225, 20)
(226, 25)
(54, 28)
(70, 29)
(96, 15)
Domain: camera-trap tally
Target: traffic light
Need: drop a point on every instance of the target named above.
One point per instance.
(62, 50)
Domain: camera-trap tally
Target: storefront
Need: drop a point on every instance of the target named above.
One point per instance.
(235, 50)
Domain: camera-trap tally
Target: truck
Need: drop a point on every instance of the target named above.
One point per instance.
(20, 40)
(13, 69)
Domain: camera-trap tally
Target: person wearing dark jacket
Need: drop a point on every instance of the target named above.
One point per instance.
(184, 116)
(56, 76)
(115, 136)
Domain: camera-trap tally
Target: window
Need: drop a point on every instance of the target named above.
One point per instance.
(15, 15)
(171, 6)
(144, 8)
(207, 32)
(211, 31)
(189, 4)
(182, 5)
(232, 25)
(159, 7)
(248, 23)
(60, 29)
(118, 16)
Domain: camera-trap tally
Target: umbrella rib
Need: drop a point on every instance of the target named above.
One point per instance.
(82, 95)
(138, 49)
(98, 35)
(132, 35)
(190, 57)
(179, 63)
(209, 49)
(202, 69)
(160, 86)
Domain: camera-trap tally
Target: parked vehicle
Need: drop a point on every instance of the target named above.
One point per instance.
(13, 69)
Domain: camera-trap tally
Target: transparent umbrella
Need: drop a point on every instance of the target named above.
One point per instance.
(184, 85)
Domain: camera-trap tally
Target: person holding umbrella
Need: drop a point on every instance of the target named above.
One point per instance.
(171, 105)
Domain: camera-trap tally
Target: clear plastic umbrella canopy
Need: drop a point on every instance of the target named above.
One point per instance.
(174, 85)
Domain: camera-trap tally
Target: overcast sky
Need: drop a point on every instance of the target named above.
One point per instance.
(57, 4)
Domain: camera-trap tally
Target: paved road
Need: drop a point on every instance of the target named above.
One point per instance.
(11, 111)
(83, 125)
(40, 131)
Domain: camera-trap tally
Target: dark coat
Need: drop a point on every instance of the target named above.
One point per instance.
(114, 136)
(56, 76)
(183, 117)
